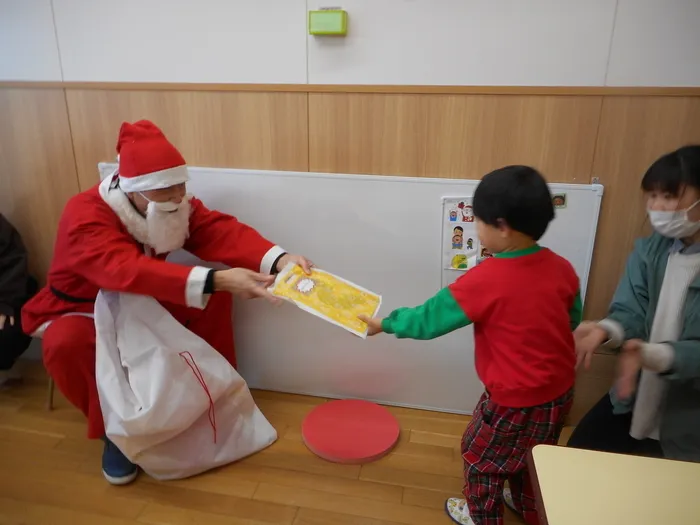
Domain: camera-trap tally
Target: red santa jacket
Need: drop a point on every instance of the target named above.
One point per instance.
(100, 245)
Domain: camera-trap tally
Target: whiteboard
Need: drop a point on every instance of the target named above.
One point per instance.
(383, 233)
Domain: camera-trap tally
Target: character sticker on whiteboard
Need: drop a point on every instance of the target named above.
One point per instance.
(459, 262)
(458, 238)
(485, 253)
(459, 242)
(559, 200)
(466, 211)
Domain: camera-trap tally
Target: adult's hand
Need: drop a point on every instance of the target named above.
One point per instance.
(245, 283)
(589, 336)
(305, 263)
(6, 320)
(628, 367)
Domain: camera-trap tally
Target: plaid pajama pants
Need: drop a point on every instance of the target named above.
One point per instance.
(494, 449)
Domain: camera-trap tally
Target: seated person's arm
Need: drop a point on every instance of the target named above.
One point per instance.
(13, 269)
(676, 360)
(627, 315)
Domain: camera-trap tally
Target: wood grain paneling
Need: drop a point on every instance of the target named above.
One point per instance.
(37, 168)
(452, 136)
(617, 91)
(216, 129)
(633, 133)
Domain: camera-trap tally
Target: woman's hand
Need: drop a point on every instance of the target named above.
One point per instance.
(245, 283)
(374, 325)
(5, 319)
(589, 336)
(305, 264)
(628, 368)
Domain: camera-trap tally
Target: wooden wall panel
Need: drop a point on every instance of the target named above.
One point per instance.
(591, 385)
(634, 131)
(37, 168)
(217, 129)
(453, 136)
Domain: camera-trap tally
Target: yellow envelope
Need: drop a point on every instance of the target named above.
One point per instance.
(327, 296)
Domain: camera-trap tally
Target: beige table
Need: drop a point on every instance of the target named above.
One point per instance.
(581, 487)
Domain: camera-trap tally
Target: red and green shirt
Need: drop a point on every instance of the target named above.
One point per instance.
(524, 306)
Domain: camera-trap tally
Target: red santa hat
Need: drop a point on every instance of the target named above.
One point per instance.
(147, 160)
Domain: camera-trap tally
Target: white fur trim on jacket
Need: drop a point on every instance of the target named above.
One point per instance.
(269, 259)
(156, 180)
(194, 291)
(132, 220)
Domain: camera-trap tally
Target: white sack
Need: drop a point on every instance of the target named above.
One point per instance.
(151, 375)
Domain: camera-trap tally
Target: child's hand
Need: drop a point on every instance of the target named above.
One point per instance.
(374, 325)
(628, 367)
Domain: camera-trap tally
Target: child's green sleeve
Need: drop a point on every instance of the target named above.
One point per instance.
(576, 312)
(438, 316)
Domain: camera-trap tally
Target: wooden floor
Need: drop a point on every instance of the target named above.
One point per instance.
(50, 474)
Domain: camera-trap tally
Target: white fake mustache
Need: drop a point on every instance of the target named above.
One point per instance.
(168, 230)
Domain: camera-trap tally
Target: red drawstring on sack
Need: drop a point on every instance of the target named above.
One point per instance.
(198, 374)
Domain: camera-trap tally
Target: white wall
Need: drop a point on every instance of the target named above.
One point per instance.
(656, 43)
(27, 41)
(250, 41)
(467, 42)
(473, 42)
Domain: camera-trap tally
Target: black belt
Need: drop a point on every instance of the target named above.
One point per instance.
(69, 298)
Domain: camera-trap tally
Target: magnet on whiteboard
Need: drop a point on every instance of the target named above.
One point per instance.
(328, 22)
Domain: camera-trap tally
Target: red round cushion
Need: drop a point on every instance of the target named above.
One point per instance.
(350, 431)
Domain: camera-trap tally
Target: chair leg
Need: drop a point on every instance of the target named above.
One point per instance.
(49, 397)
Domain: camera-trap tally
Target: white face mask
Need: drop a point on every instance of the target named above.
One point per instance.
(674, 224)
(167, 206)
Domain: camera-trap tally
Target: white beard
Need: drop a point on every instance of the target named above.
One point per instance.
(162, 231)
(168, 231)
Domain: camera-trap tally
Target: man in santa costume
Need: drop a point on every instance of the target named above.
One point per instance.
(116, 236)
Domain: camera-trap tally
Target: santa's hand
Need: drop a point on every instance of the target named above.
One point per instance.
(245, 283)
(374, 325)
(287, 258)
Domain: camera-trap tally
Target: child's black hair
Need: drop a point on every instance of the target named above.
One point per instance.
(674, 171)
(458, 228)
(518, 195)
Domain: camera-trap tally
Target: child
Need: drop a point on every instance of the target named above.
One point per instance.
(655, 317)
(524, 303)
